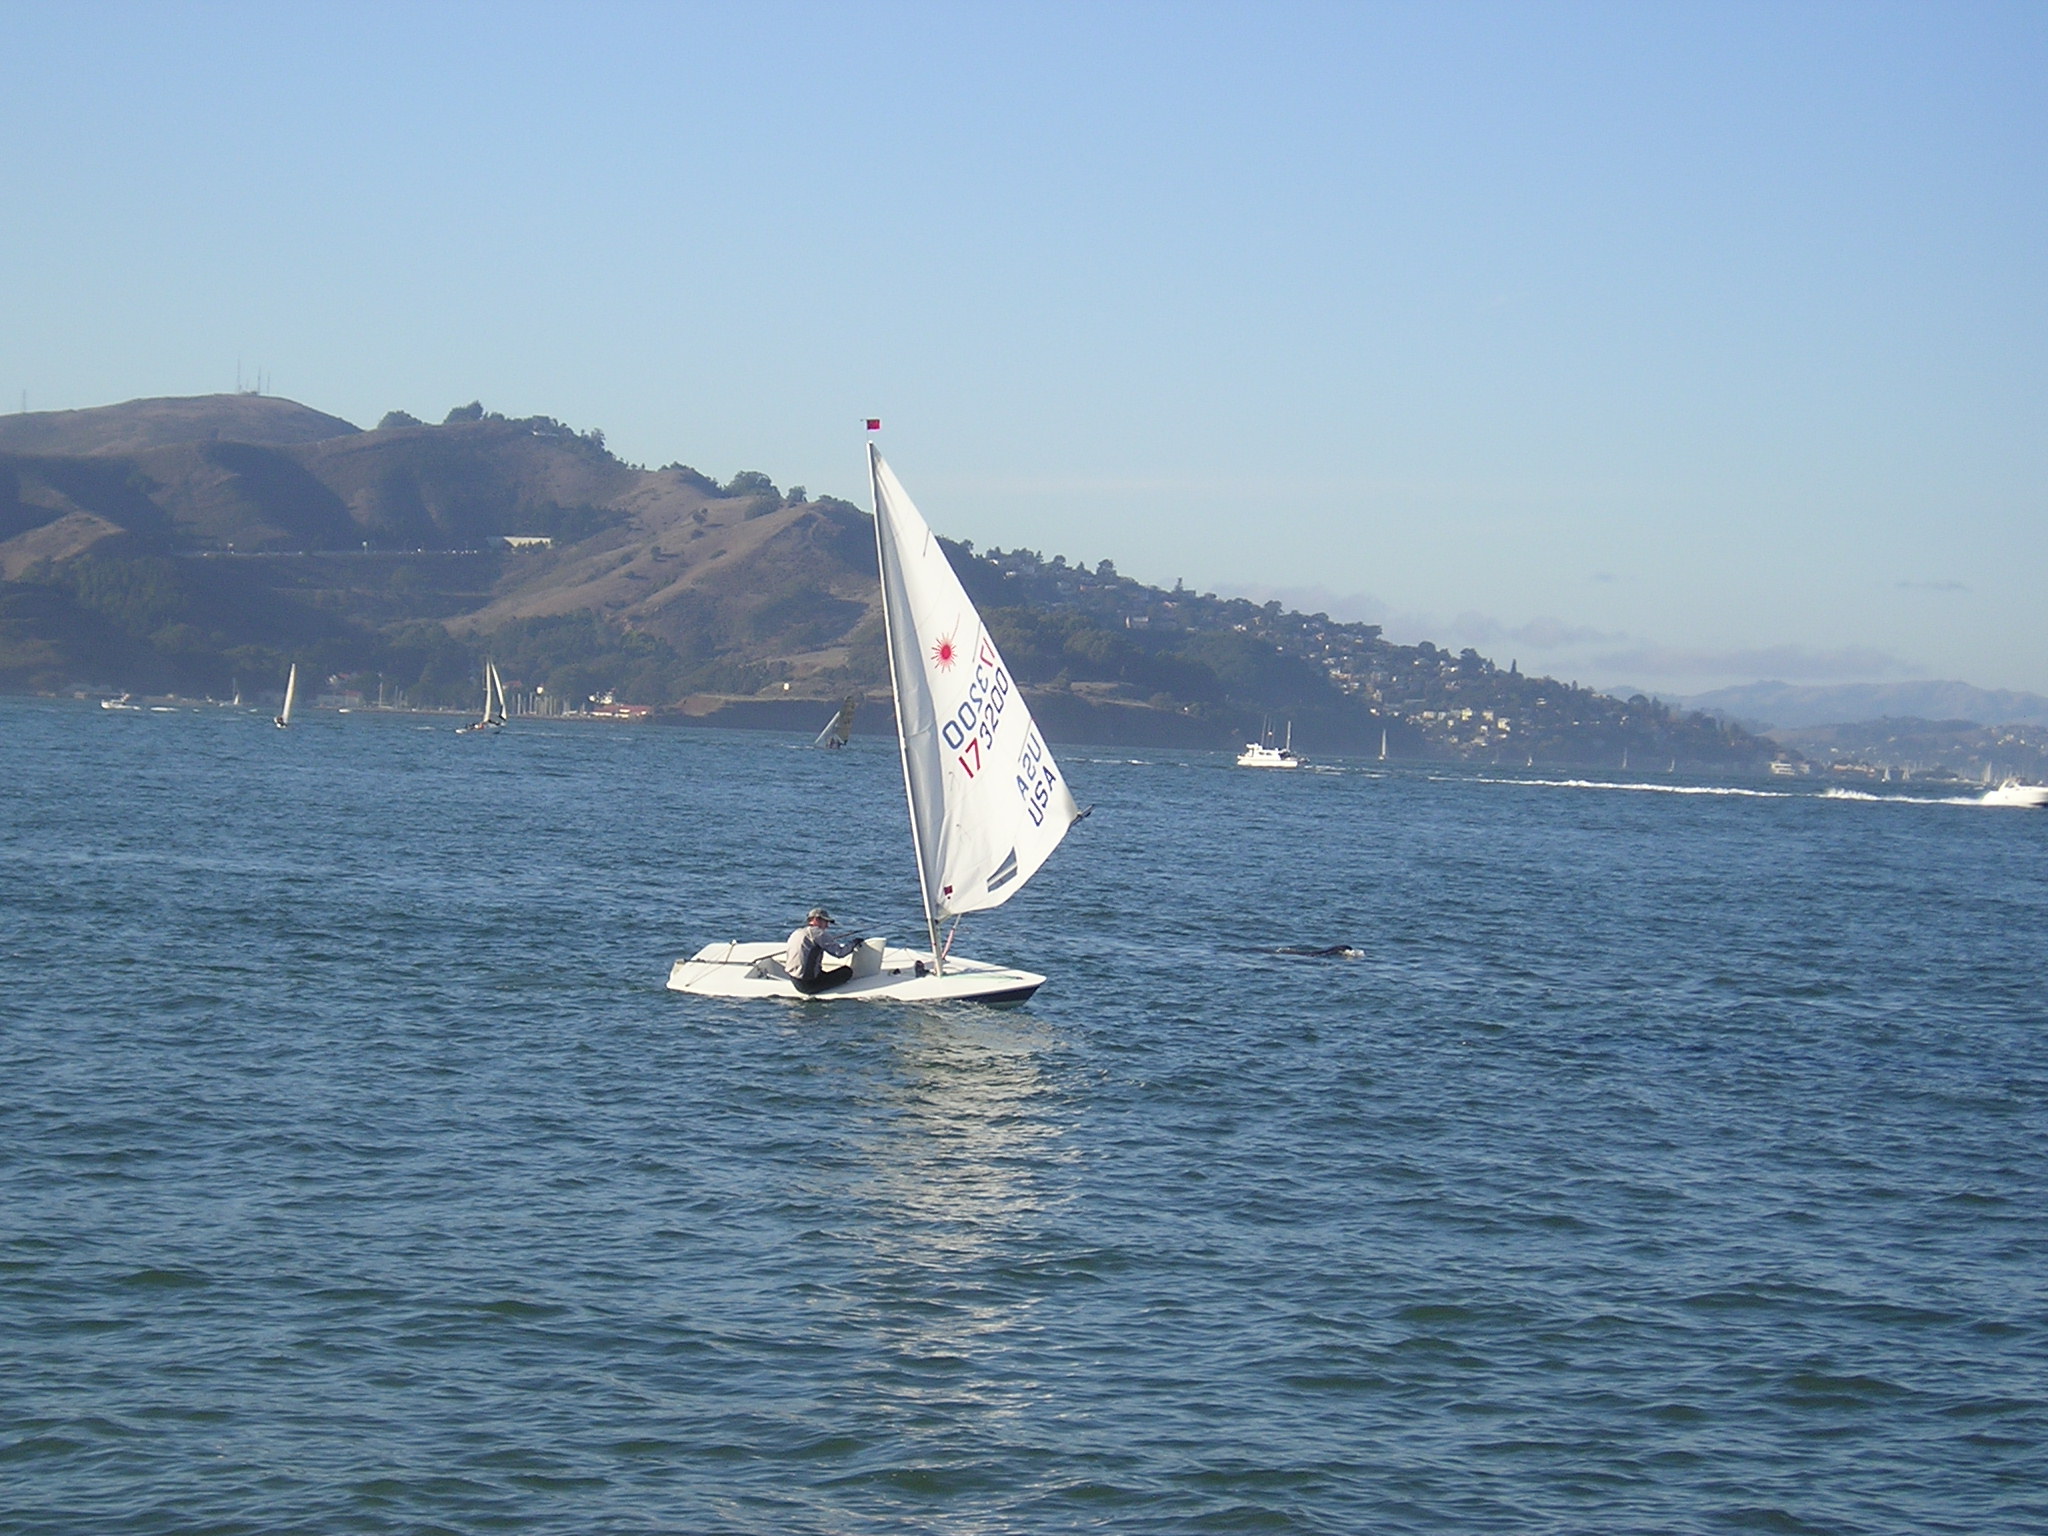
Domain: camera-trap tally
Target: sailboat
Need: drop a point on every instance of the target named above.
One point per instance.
(494, 703)
(840, 728)
(291, 697)
(987, 803)
(1383, 743)
(1263, 754)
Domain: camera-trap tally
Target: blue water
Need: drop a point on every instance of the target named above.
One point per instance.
(1667, 1162)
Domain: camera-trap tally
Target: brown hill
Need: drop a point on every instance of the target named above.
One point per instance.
(459, 486)
(97, 499)
(409, 523)
(396, 559)
(714, 574)
(135, 425)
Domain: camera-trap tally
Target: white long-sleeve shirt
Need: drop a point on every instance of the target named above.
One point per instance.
(800, 941)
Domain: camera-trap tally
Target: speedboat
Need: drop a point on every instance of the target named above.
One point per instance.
(2013, 792)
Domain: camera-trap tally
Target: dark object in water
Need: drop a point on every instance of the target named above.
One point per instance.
(1327, 952)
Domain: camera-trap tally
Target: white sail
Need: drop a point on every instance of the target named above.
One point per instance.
(291, 694)
(987, 802)
(493, 717)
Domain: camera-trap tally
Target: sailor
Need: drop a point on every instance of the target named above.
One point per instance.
(808, 947)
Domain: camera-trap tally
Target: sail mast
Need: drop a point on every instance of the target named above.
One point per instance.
(883, 538)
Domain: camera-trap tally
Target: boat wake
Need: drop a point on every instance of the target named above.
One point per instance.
(1988, 798)
(1654, 789)
(1834, 792)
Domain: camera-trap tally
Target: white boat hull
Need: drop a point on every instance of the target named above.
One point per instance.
(2015, 793)
(1263, 754)
(881, 975)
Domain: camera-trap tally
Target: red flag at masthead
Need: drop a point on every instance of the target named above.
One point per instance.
(874, 423)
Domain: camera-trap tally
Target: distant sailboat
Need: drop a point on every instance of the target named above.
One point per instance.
(291, 697)
(1624, 759)
(1383, 743)
(494, 703)
(840, 728)
(987, 803)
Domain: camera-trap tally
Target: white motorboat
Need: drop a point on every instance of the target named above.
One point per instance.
(987, 803)
(291, 697)
(2013, 792)
(494, 704)
(122, 702)
(1263, 754)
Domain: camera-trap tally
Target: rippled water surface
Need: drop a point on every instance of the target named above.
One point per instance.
(1666, 1162)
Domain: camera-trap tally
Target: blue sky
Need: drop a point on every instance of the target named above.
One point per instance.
(1660, 345)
